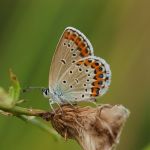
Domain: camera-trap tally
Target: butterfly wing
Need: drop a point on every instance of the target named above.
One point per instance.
(86, 79)
(72, 46)
(75, 73)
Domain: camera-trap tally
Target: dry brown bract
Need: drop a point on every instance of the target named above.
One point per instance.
(93, 128)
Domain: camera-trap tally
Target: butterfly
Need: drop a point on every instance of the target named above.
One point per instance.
(75, 73)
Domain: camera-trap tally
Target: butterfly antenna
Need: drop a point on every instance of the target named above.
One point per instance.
(30, 88)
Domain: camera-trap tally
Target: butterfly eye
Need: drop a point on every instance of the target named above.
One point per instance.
(45, 92)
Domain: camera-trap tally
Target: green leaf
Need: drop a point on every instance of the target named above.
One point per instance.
(14, 90)
(5, 99)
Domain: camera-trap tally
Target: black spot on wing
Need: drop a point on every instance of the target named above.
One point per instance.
(63, 61)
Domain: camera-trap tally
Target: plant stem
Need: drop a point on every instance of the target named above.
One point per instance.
(42, 125)
(8, 106)
(16, 110)
(28, 115)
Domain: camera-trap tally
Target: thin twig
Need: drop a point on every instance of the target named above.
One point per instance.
(16, 110)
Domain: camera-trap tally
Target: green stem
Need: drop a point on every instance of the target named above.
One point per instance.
(28, 116)
(8, 105)
(42, 125)
(16, 110)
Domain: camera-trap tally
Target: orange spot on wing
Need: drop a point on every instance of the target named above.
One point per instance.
(96, 84)
(98, 70)
(84, 53)
(95, 91)
(87, 62)
(98, 73)
(67, 34)
(98, 78)
(73, 37)
(79, 63)
(77, 41)
(83, 48)
(94, 94)
(82, 45)
(95, 64)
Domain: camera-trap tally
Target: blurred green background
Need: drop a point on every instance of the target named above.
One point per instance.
(119, 32)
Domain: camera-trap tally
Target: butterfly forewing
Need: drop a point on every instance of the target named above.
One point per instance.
(72, 46)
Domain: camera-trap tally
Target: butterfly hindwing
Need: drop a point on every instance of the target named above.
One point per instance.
(86, 79)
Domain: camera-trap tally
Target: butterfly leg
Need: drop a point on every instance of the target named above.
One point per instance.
(70, 103)
(95, 104)
(93, 101)
(50, 103)
(59, 107)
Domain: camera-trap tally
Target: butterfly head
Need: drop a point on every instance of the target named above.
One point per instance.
(46, 92)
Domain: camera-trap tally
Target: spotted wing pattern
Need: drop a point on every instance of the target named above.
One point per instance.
(76, 74)
(86, 79)
(73, 46)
